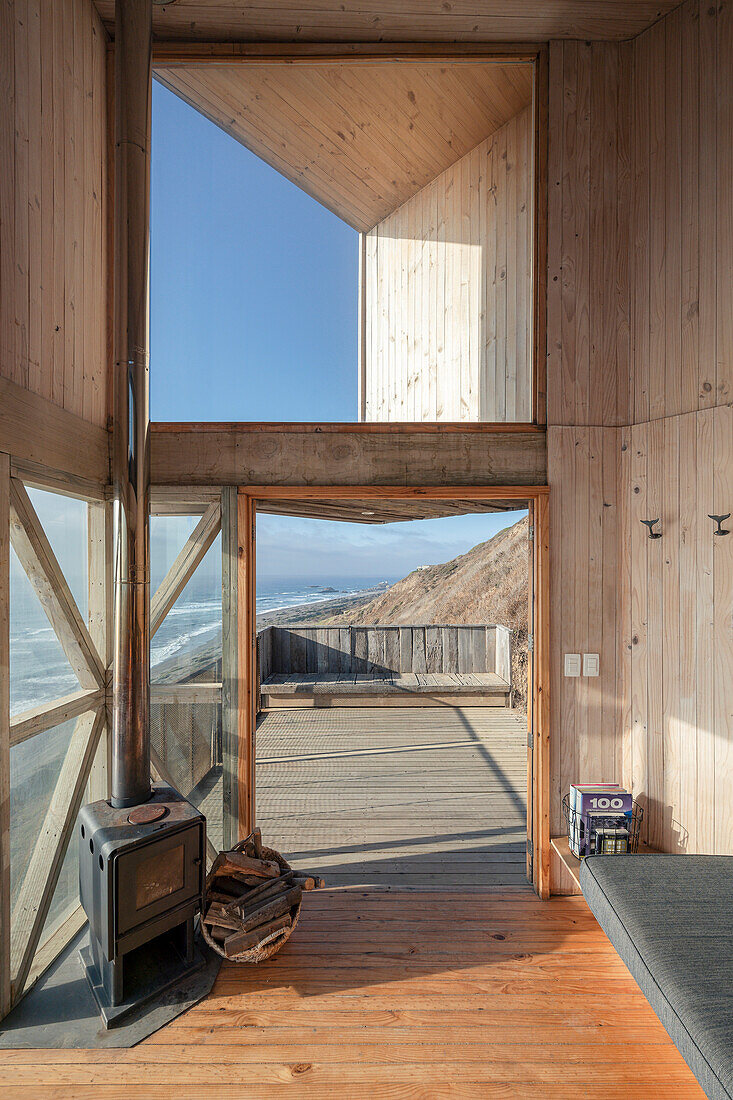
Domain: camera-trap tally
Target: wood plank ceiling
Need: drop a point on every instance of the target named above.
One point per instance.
(360, 138)
(398, 20)
(383, 511)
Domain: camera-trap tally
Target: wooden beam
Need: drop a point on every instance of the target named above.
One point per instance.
(246, 663)
(35, 430)
(385, 511)
(362, 316)
(541, 692)
(539, 257)
(355, 455)
(37, 476)
(185, 693)
(230, 664)
(176, 54)
(100, 552)
(187, 561)
(395, 492)
(47, 715)
(36, 893)
(343, 427)
(39, 562)
(4, 735)
(181, 500)
(531, 852)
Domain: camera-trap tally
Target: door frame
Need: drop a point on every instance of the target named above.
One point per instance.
(538, 708)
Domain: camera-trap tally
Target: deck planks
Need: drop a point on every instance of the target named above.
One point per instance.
(431, 797)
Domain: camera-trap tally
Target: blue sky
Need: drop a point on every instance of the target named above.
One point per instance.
(253, 284)
(375, 551)
(254, 317)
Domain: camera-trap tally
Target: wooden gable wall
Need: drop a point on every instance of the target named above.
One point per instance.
(640, 384)
(447, 292)
(53, 203)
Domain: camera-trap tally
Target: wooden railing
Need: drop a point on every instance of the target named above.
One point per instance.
(429, 649)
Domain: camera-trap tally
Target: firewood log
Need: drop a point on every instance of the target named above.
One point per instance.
(264, 887)
(242, 845)
(218, 896)
(216, 915)
(308, 882)
(221, 935)
(236, 862)
(243, 941)
(270, 910)
(233, 886)
(278, 888)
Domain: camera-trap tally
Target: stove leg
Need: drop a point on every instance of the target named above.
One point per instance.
(189, 941)
(110, 973)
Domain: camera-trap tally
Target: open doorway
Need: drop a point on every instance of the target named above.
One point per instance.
(389, 751)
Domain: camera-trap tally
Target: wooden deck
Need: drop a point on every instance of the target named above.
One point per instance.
(399, 995)
(430, 797)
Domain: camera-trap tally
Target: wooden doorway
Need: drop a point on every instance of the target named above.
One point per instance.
(536, 498)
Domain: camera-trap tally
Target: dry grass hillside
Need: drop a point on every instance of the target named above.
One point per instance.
(486, 585)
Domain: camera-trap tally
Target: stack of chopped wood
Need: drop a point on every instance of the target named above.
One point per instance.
(250, 898)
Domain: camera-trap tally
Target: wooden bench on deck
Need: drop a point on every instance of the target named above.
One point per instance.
(385, 666)
(385, 689)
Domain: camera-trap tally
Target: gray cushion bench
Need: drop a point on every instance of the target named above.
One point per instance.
(671, 920)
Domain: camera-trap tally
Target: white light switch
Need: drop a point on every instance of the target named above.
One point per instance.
(572, 664)
(591, 664)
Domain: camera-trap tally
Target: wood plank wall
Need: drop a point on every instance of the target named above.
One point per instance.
(53, 252)
(640, 381)
(676, 629)
(640, 222)
(682, 212)
(448, 286)
(583, 469)
(588, 293)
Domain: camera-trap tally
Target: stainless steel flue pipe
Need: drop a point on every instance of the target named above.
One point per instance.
(130, 782)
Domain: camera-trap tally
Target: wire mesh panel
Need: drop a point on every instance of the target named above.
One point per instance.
(187, 738)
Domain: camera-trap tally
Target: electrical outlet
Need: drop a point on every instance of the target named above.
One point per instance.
(572, 664)
(591, 664)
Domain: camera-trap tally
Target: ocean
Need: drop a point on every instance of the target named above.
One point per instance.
(39, 671)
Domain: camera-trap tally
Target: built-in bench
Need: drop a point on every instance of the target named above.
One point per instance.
(671, 920)
(385, 665)
(398, 689)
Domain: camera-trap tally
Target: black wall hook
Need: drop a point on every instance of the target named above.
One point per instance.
(650, 524)
(720, 530)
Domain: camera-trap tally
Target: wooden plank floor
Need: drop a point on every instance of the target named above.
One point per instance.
(416, 798)
(399, 995)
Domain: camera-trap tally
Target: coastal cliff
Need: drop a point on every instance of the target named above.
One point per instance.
(488, 584)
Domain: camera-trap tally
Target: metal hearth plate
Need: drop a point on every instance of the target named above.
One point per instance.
(60, 1011)
(147, 988)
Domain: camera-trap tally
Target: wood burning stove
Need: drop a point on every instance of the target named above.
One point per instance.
(141, 878)
(141, 854)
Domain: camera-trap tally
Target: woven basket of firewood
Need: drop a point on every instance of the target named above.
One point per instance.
(252, 901)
